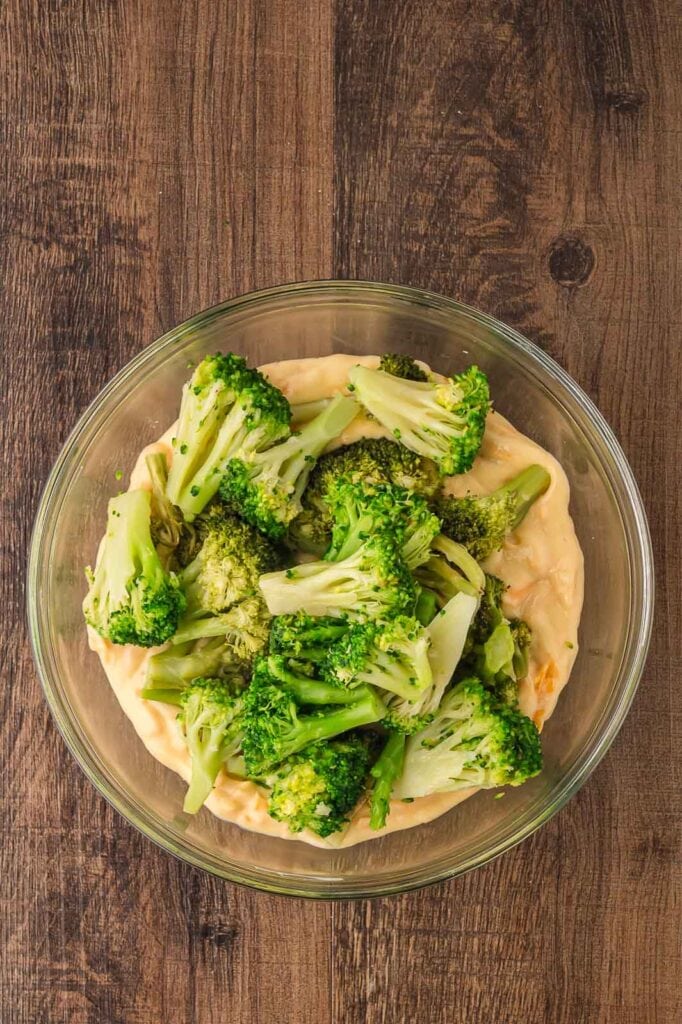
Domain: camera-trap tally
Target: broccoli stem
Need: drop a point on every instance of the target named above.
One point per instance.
(385, 771)
(164, 696)
(526, 488)
(458, 555)
(312, 728)
(312, 691)
(304, 412)
(427, 606)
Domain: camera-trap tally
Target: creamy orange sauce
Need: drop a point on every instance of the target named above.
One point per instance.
(541, 562)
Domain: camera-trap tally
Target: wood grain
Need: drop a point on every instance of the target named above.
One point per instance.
(523, 157)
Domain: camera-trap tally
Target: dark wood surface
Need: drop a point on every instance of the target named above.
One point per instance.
(521, 156)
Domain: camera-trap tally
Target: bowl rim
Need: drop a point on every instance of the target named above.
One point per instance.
(283, 883)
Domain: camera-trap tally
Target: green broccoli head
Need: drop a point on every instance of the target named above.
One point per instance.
(443, 421)
(305, 638)
(168, 527)
(374, 582)
(212, 721)
(483, 522)
(369, 461)
(473, 740)
(227, 409)
(232, 557)
(319, 787)
(265, 487)
(275, 728)
(131, 598)
(402, 366)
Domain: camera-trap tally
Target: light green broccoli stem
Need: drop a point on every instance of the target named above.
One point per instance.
(385, 771)
(526, 488)
(311, 691)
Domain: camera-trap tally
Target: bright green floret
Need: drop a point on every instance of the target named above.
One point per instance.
(276, 729)
(483, 522)
(443, 421)
(265, 487)
(243, 635)
(472, 741)
(369, 461)
(318, 788)
(132, 599)
(402, 366)
(212, 723)
(305, 638)
(387, 768)
(232, 557)
(227, 409)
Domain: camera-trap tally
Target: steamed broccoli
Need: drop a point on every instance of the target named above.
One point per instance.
(274, 729)
(369, 461)
(443, 421)
(227, 408)
(265, 487)
(305, 638)
(359, 510)
(318, 788)
(371, 583)
(386, 769)
(497, 649)
(244, 632)
(131, 598)
(228, 564)
(168, 527)
(482, 522)
(472, 741)
(212, 723)
(304, 688)
(450, 570)
(402, 366)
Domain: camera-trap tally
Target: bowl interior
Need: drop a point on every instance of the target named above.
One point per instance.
(316, 320)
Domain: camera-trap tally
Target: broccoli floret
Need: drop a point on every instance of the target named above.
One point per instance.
(318, 788)
(472, 741)
(305, 638)
(373, 582)
(448, 635)
(360, 509)
(232, 557)
(275, 730)
(482, 522)
(168, 527)
(131, 598)
(304, 688)
(384, 772)
(265, 487)
(391, 655)
(450, 570)
(443, 421)
(402, 366)
(227, 409)
(497, 649)
(369, 461)
(212, 723)
(427, 606)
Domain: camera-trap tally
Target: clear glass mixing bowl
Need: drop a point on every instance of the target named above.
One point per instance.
(312, 320)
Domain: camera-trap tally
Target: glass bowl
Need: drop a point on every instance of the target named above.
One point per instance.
(311, 320)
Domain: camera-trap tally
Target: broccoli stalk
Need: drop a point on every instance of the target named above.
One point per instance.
(443, 421)
(226, 409)
(304, 637)
(450, 570)
(318, 788)
(265, 487)
(167, 525)
(373, 460)
(274, 729)
(472, 741)
(385, 771)
(306, 690)
(482, 522)
(212, 720)
(132, 599)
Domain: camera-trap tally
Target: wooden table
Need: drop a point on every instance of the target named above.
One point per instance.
(523, 157)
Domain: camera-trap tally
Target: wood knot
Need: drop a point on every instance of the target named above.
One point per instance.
(571, 261)
(625, 101)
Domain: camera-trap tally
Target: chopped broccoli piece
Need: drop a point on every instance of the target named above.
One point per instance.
(402, 366)
(482, 522)
(450, 570)
(275, 730)
(319, 787)
(232, 557)
(361, 509)
(167, 524)
(265, 487)
(131, 598)
(246, 625)
(427, 606)
(227, 408)
(472, 741)
(305, 689)
(497, 649)
(373, 582)
(305, 637)
(448, 635)
(384, 772)
(212, 722)
(369, 461)
(443, 421)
